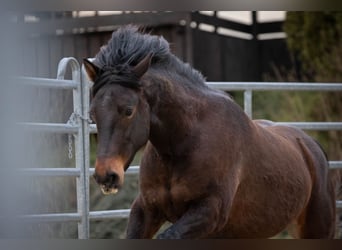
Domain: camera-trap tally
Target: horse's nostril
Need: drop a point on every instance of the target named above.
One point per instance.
(113, 178)
(109, 179)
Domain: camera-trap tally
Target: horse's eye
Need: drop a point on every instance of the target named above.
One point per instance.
(129, 111)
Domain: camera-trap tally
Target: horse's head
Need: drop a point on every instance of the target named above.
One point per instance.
(121, 113)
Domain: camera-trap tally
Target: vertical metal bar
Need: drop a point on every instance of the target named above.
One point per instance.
(81, 182)
(248, 102)
(82, 192)
(85, 84)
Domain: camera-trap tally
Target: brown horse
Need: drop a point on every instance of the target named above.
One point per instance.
(207, 168)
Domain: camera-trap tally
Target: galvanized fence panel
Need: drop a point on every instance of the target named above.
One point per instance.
(77, 128)
(81, 129)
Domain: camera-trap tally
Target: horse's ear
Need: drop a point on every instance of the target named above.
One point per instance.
(91, 69)
(141, 68)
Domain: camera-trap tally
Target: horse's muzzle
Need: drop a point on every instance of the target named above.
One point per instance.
(109, 184)
(109, 174)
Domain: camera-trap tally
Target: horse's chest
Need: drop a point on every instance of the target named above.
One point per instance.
(172, 199)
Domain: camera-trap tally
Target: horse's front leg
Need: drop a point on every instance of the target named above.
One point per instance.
(143, 223)
(201, 220)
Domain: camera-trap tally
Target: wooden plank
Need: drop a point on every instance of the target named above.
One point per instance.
(81, 47)
(270, 27)
(29, 65)
(68, 24)
(218, 22)
(274, 55)
(238, 60)
(68, 46)
(177, 43)
(56, 54)
(189, 44)
(68, 49)
(43, 58)
(207, 55)
(95, 41)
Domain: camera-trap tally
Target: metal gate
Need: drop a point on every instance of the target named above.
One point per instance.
(80, 127)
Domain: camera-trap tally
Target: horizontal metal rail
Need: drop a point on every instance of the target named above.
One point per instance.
(302, 125)
(92, 129)
(93, 215)
(109, 214)
(314, 125)
(335, 164)
(338, 204)
(132, 170)
(75, 172)
(62, 128)
(268, 86)
(70, 129)
(53, 217)
(75, 217)
(47, 82)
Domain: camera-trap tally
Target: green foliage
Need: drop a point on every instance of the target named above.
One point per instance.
(315, 37)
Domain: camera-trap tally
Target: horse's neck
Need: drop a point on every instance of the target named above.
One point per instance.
(173, 112)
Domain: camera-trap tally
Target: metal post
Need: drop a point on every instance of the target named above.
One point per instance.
(80, 159)
(85, 85)
(247, 94)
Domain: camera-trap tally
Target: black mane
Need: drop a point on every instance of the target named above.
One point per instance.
(127, 47)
